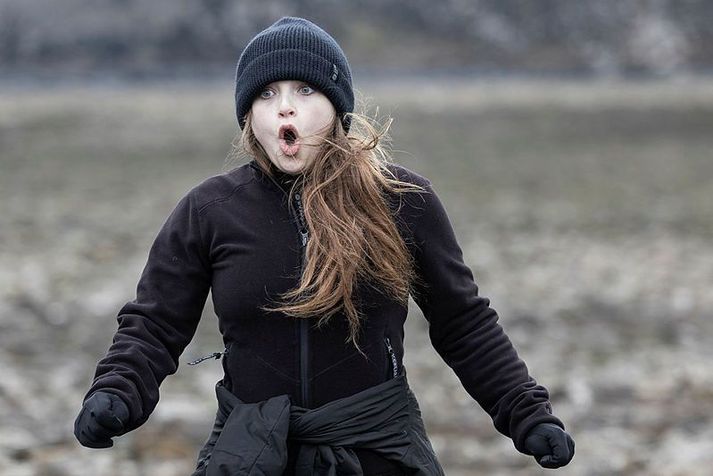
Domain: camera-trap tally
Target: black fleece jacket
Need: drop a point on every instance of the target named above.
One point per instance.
(235, 235)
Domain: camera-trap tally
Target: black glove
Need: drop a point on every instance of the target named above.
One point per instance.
(103, 416)
(551, 446)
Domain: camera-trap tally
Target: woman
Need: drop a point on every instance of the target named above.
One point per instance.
(311, 251)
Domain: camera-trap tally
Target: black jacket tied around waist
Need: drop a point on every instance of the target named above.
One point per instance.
(251, 438)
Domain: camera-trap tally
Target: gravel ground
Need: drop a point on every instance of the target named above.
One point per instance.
(585, 215)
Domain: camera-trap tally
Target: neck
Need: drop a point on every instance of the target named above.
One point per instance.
(286, 180)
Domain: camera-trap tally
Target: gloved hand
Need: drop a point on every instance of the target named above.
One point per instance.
(551, 446)
(103, 416)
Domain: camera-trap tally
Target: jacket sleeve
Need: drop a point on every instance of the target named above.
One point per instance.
(464, 329)
(158, 324)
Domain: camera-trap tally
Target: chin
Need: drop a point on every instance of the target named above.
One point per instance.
(289, 164)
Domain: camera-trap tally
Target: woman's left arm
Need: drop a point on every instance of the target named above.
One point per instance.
(464, 329)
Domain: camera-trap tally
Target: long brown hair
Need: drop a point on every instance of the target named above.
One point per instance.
(353, 234)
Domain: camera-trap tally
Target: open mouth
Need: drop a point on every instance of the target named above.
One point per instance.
(288, 132)
(289, 143)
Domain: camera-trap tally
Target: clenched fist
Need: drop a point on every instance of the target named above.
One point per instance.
(551, 446)
(103, 416)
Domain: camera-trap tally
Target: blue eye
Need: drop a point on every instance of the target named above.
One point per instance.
(308, 87)
(262, 93)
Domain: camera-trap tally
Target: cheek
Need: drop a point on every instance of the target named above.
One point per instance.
(260, 130)
(259, 118)
(323, 114)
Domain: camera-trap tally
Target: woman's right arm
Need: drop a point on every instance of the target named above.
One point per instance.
(158, 324)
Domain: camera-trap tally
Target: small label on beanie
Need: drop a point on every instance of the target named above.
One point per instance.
(335, 72)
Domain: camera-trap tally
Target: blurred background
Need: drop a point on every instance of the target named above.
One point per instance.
(571, 142)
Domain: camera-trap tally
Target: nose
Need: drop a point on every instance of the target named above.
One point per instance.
(286, 107)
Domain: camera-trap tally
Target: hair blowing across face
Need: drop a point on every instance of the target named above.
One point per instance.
(354, 238)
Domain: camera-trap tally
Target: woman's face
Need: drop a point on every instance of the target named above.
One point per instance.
(295, 105)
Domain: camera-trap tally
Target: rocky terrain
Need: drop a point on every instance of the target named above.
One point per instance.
(585, 211)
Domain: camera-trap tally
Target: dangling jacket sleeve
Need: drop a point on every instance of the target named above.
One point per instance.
(464, 329)
(158, 324)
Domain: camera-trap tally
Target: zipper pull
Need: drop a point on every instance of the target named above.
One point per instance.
(214, 355)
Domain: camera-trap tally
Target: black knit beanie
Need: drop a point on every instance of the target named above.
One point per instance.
(294, 49)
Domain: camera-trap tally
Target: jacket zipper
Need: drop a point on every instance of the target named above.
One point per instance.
(392, 355)
(214, 355)
(304, 323)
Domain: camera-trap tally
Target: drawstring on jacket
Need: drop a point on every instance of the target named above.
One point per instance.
(214, 355)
